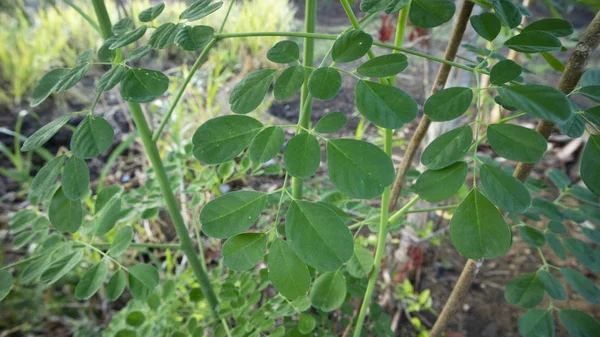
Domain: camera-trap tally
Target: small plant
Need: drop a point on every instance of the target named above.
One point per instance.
(311, 256)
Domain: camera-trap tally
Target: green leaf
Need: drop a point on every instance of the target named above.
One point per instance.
(590, 164)
(93, 136)
(477, 228)
(287, 272)
(508, 13)
(6, 280)
(306, 323)
(358, 169)
(384, 105)
(111, 78)
(41, 136)
(199, 10)
(286, 51)
(325, 83)
(361, 263)
(122, 26)
(431, 13)
(532, 236)
(289, 82)
(105, 54)
(552, 286)
(547, 208)
(34, 270)
(193, 38)
(164, 35)
(553, 61)
(109, 216)
(61, 267)
(318, 235)
(504, 190)
(72, 77)
(232, 213)
(592, 92)
(448, 148)
(136, 318)
(302, 155)
(242, 252)
(75, 178)
(121, 241)
(43, 180)
(558, 178)
(143, 278)
(579, 324)
(384, 65)
(329, 291)
(556, 246)
(516, 142)
(250, 92)
(582, 252)
(128, 37)
(266, 144)
(557, 227)
(20, 240)
(525, 291)
(65, 215)
(149, 14)
(582, 285)
(47, 85)
(116, 285)
(554, 26)
(105, 195)
(221, 139)
(21, 220)
(538, 100)
(533, 42)
(438, 185)
(138, 53)
(536, 323)
(372, 6)
(351, 46)
(143, 85)
(331, 122)
(505, 71)
(91, 281)
(487, 25)
(395, 6)
(448, 104)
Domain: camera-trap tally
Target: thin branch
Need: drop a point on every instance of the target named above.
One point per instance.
(438, 84)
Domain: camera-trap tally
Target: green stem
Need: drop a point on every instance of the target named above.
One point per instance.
(163, 181)
(161, 176)
(385, 198)
(181, 90)
(310, 21)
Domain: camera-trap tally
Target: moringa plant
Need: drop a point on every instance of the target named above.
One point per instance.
(309, 249)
